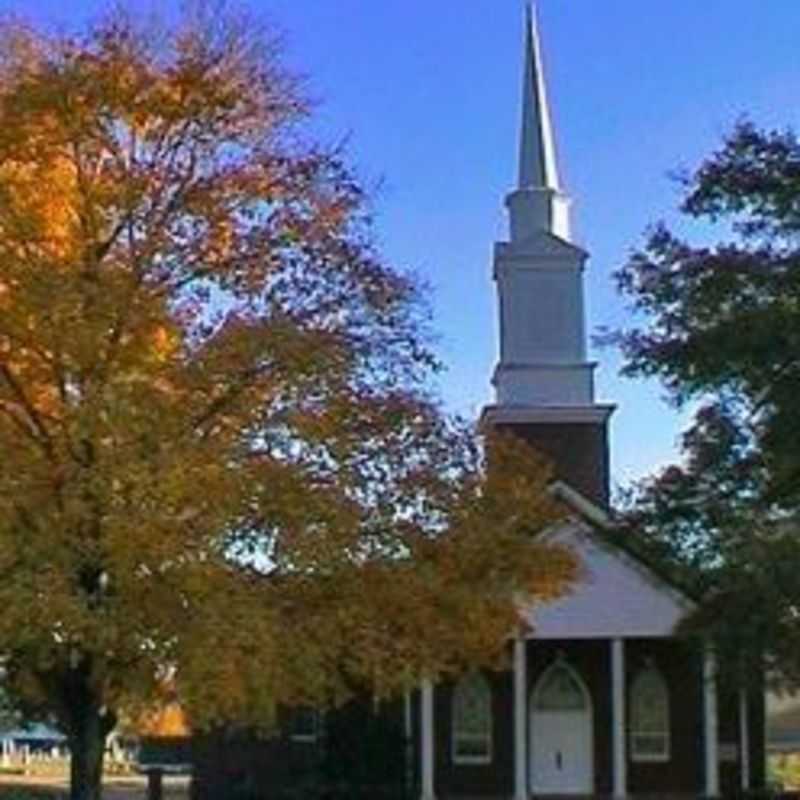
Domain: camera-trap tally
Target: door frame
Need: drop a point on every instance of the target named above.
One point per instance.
(588, 721)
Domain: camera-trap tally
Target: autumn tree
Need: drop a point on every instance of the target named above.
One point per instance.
(720, 327)
(221, 469)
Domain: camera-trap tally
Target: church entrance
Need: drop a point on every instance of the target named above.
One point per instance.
(561, 734)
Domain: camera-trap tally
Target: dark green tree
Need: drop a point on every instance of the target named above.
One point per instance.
(719, 326)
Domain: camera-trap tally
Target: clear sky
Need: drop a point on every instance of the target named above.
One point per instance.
(428, 93)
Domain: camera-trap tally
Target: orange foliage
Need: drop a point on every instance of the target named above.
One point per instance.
(218, 452)
(168, 721)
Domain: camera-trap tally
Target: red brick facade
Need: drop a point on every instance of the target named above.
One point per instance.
(682, 775)
(232, 767)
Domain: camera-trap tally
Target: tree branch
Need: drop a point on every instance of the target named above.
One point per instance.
(31, 413)
(20, 421)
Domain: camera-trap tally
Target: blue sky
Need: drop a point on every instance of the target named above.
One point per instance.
(427, 91)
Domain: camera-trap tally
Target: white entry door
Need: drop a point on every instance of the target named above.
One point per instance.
(561, 734)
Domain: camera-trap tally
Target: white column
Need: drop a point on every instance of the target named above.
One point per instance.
(744, 739)
(520, 720)
(619, 745)
(426, 740)
(710, 723)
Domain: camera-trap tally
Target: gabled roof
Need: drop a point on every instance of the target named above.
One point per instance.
(617, 593)
(617, 536)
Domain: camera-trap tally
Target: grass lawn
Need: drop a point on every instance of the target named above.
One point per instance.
(37, 787)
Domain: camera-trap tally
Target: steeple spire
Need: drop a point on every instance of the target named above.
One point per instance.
(537, 156)
(538, 204)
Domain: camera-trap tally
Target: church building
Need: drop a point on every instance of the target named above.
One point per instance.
(602, 698)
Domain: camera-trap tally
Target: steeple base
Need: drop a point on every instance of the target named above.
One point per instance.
(573, 438)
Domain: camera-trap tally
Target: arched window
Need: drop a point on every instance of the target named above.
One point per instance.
(472, 720)
(649, 717)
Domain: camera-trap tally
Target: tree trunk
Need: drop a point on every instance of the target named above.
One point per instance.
(155, 785)
(87, 744)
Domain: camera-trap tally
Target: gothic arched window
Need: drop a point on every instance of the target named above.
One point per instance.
(649, 717)
(472, 720)
(559, 690)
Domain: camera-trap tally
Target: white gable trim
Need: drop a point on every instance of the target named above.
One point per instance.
(585, 507)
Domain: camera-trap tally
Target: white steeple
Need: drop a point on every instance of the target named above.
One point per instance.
(543, 381)
(539, 272)
(537, 204)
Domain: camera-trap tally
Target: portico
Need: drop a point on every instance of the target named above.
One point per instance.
(600, 699)
(617, 601)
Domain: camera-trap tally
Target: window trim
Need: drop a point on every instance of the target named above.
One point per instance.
(665, 734)
(488, 737)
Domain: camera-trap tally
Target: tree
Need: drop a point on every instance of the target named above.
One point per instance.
(222, 472)
(720, 326)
